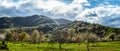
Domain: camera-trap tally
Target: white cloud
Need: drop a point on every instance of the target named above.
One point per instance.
(6, 3)
(48, 7)
(80, 1)
(106, 15)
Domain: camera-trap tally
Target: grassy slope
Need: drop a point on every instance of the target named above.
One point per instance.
(102, 46)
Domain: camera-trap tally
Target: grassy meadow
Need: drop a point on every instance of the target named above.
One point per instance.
(99, 46)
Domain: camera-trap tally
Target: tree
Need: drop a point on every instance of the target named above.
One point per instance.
(11, 35)
(117, 38)
(35, 37)
(71, 33)
(15, 36)
(89, 37)
(59, 36)
(111, 36)
(8, 36)
(24, 36)
(78, 38)
(41, 36)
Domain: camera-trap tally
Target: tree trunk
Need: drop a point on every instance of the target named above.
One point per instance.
(87, 45)
(93, 43)
(60, 44)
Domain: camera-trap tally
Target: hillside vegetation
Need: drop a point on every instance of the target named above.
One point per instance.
(38, 29)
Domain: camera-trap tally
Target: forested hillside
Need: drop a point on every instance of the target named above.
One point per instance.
(35, 20)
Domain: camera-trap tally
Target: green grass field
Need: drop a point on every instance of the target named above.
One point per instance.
(102, 46)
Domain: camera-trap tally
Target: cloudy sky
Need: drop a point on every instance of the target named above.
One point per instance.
(105, 12)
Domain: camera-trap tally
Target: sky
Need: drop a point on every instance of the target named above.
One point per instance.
(105, 12)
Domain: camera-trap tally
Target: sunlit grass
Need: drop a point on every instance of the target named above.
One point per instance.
(100, 46)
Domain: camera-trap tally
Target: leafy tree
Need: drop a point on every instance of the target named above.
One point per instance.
(24, 36)
(35, 37)
(71, 33)
(9, 36)
(41, 36)
(117, 38)
(89, 37)
(111, 37)
(59, 36)
(15, 37)
(78, 37)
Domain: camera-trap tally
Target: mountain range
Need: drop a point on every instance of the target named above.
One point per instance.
(47, 24)
(34, 20)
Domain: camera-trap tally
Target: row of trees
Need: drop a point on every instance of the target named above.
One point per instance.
(58, 36)
(16, 37)
(69, 36)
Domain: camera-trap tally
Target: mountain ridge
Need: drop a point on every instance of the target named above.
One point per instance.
(34, 20)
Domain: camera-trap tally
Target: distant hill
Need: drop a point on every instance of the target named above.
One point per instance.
(62, 21)
(83, 27)
(34, 20)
